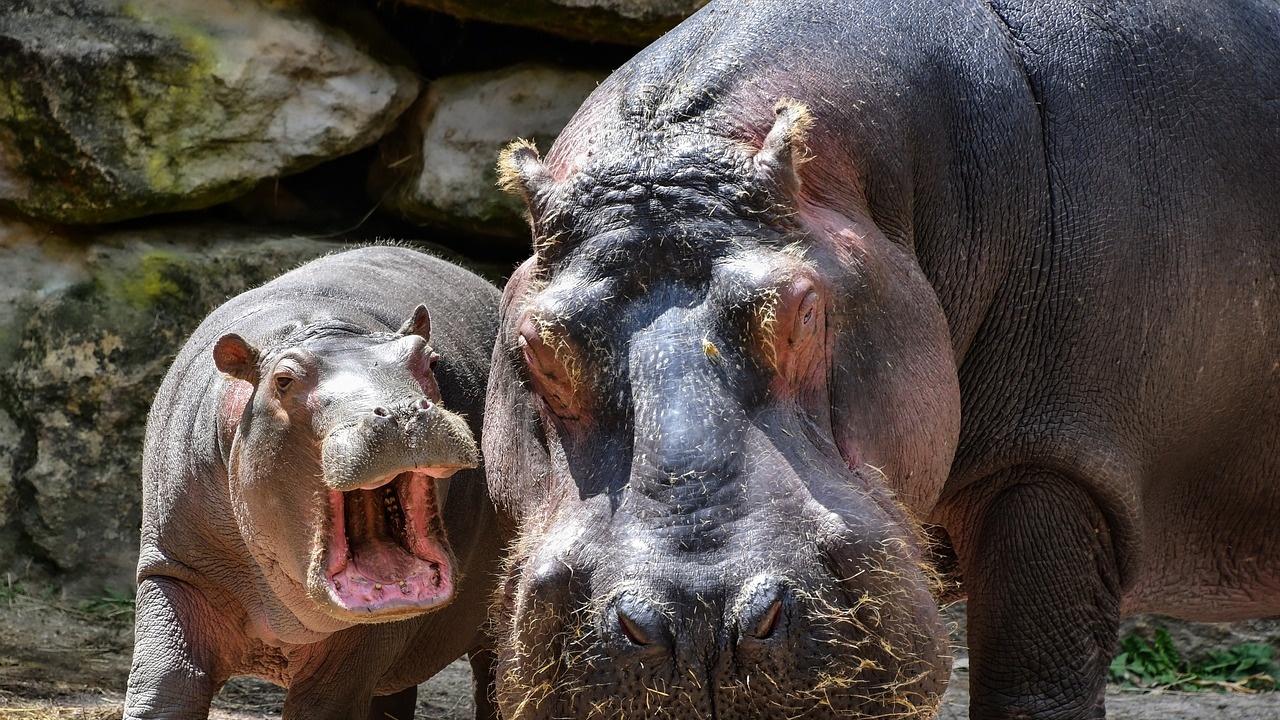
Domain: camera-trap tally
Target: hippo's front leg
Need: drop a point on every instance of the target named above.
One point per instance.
(1044, 615)
(173, 673)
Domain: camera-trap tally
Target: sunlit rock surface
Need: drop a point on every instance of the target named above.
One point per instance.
(440, 167)
(112, 109)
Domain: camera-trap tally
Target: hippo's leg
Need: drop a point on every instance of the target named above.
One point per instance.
(332, 694)
(1044, 600)
(173, 675)
(483, 674)
(396, 706)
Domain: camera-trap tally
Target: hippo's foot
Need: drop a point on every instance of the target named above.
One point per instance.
(384, 553)
(1043, 601)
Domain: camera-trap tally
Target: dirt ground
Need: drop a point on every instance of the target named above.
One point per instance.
(60, 659)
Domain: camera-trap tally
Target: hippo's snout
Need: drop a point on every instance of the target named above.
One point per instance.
(754, 615)
(389, 439)
(824, 637)
(759, 609)
(641, 623)
(385, 554)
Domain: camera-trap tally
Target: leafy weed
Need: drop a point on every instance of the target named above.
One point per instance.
(1245, 668)
(111, 606)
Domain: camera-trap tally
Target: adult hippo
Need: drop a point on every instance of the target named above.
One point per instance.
(808, 273)
(294, 492)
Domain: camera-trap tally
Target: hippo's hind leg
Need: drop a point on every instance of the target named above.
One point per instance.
(483, 686)
(1044, 598)
(396, 706)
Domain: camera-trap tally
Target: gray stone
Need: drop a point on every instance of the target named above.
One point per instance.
(631, 22)
(112, 109)
(39, 260)
(35, 261)
(96, 322)
(440, 166)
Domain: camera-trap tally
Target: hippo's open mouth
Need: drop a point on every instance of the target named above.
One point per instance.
(387, 551)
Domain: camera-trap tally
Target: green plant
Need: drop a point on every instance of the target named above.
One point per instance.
(1244, 668)
(110, 606)
(9, 590)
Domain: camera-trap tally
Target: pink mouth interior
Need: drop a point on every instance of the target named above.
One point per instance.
(386, 548)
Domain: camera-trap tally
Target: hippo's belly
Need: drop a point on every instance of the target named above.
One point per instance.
(1211, 539)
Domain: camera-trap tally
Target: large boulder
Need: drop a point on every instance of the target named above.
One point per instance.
(88, 327)
(629, 22)
(112, 109)
(440, 165)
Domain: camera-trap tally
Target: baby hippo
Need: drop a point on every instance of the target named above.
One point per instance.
(294, 492)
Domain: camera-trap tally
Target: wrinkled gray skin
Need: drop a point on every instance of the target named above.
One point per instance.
(294, 500)
(1011, 266)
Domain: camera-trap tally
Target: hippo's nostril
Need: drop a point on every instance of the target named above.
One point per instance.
(422, 404)
(382, 412)
(632, 630)
(769, 622)
(639, 623)
(761, 612)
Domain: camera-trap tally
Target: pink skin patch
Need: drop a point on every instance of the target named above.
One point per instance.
(386, 551)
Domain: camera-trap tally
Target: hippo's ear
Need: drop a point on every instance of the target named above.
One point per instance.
(236, 357)
(521, 172)
(418, 324)
(784, 150)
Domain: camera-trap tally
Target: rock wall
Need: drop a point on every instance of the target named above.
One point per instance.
(85, 345)
(160, 156)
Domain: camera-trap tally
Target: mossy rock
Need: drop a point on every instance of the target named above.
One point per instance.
(113, 109)
(75, 396)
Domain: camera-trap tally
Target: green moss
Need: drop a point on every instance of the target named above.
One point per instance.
(153, 280)
(156, 282)
(13, 106)
(167, 109)
(130, 123)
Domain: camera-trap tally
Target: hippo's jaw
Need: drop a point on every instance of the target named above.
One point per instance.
(387, 556)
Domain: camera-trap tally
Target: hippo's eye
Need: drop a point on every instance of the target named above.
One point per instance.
(793, 323)
(807, 311)
(432, 359)
(293, 367)
(553, 363)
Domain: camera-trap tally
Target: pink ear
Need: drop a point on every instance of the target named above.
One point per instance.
(784, 151)
(419, 324)
(521, 172)
(236, 357)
